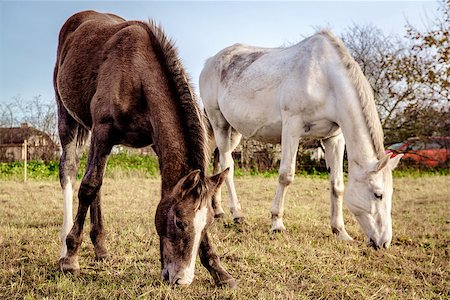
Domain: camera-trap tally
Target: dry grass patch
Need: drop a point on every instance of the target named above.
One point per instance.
(306, 262)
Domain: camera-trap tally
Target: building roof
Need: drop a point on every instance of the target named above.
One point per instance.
(17, 135)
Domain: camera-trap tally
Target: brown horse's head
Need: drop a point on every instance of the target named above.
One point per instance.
(181, 220)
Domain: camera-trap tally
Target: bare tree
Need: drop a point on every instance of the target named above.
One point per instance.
(383, 59)
(430, 73)
(434, 44)
(410, 77)
(8, 115)
(37, 113)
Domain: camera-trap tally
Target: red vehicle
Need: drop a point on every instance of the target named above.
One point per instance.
(430, 152)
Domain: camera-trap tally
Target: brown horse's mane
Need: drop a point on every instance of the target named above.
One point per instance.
(190, 113)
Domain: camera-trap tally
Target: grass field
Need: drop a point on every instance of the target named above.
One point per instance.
(306, 262)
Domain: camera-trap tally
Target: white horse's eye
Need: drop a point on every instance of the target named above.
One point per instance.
(378, 196)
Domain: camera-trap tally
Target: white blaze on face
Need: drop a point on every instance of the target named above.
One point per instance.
(374, 215)
(199, 224)
(67, 219)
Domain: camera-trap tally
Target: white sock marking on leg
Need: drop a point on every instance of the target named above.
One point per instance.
(68, 216)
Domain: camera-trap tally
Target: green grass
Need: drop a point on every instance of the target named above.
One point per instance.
(119, 166)
(306, 262)
(125, 165)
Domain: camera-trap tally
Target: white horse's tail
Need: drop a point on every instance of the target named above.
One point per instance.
(364, 91)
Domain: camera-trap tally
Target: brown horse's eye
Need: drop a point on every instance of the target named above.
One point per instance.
(179, 224)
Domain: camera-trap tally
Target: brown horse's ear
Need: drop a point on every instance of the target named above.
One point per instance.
(189, 182)
(218, 179)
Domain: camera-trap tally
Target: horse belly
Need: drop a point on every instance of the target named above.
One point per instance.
(268, 134)
(320, 129)
(254, 118)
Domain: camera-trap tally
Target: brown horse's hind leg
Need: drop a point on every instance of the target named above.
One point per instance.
(72, 136)
(211, 262)
(67, 172)
(97, 233)
(88, 194)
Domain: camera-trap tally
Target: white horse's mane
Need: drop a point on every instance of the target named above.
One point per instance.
(364, 91)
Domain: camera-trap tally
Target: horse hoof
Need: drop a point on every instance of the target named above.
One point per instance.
(219, 216)
(230, 283)
(70, 266)
(239, 220)
(277, 225)
(278, 230)
(342, 235)
(102, 257)
(101, 254)
(345, 238)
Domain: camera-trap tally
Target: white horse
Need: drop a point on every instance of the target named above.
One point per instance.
(311, 89)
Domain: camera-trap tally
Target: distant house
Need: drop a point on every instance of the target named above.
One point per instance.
(39, 144)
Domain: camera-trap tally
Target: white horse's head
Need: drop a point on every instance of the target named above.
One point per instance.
(369, 198)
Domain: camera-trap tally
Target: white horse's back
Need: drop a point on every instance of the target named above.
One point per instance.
(252, 86)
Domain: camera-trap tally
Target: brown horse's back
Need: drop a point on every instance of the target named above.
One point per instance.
(102, 62)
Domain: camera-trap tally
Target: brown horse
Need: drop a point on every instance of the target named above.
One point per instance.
(123, 82)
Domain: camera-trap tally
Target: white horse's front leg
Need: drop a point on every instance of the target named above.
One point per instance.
(334, 155)
(289, 144)
(226, 161)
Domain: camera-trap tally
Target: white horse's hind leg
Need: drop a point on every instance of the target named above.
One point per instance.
(227, 140)
(334, 154)
(217, 197)
(216, 200)
(289, 144)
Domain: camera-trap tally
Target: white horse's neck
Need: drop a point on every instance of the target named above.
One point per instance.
(357, 114)
(360, 147)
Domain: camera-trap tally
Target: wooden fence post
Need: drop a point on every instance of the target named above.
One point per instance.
(25, 156)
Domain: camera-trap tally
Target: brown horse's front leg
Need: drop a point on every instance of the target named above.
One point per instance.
(211, 262)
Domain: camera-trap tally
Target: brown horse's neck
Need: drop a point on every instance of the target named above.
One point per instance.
(178, 132)
(171, 146)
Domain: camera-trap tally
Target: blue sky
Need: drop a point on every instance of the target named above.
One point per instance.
(29, 29)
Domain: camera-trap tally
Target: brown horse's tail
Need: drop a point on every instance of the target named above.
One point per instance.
(82, 135)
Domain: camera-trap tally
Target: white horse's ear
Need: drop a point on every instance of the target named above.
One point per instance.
(382, 163)
(393, 162)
